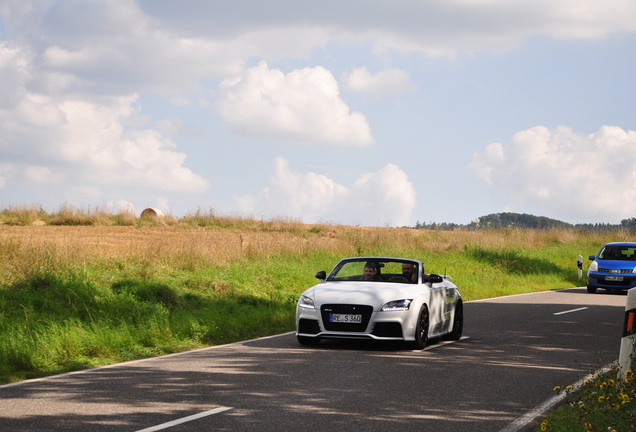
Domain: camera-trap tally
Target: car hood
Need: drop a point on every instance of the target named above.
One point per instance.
(375, 294)
(616, 264)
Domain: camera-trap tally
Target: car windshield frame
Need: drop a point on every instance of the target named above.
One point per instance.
(381, 263)
(618, 253)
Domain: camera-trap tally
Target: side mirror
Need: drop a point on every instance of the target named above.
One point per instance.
(592, 257)
(433, 278)
(322, 275)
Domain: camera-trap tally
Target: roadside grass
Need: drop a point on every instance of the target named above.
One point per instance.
(90, 289)
(52, 324)
(603, 404)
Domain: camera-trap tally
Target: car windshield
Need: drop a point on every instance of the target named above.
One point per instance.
(624, 253)
(375, 270)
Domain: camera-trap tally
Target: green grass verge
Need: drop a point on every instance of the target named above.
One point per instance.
(603, 404)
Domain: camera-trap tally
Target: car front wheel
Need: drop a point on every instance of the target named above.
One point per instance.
(591, 289)
(421, 329)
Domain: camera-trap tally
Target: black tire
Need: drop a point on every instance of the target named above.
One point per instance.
(421, 330)
(458, 323)
(308, 341)
(591, 289)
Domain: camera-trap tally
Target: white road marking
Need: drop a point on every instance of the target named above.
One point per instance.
(509, 296)
(116, 365)
(546, 406)
(441, 344)
(571, 310)
(185, 419)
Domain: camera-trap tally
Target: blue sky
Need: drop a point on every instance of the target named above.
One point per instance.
(363, 113)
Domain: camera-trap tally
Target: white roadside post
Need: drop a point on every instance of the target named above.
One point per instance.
(626, 356)
(579, 264)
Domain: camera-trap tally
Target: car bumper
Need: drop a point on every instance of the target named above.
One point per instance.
(386, 326)
(599, 280)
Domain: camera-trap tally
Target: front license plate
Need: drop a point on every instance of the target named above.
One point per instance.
(613, 278)
(344, 318)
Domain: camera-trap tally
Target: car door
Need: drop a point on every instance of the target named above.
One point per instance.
(437, 306)
(449, 306)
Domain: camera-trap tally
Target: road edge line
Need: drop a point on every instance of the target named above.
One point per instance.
(130, 362)
(520, 294)
(544, 407)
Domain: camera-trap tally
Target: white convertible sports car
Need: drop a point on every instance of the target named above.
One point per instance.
(380, 298)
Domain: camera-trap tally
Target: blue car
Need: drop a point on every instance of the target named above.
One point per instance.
(614, 268)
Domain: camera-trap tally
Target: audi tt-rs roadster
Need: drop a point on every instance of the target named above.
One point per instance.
(381, 298)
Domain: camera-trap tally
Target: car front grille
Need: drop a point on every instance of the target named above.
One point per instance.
(347, 309)
(615, 271)
(308, 326)
(388, 329)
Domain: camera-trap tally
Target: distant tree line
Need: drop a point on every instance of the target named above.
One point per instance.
(523, 221)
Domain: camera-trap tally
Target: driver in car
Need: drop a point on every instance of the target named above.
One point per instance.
(370, 272)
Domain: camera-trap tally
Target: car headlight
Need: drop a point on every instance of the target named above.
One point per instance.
(397, 305)
(593, 266)
(306, 302)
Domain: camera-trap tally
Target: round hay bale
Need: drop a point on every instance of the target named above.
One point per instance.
(151, 213)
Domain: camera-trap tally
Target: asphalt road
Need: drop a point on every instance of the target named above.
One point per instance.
(518, 349)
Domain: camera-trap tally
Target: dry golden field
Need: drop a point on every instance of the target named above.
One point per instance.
(28, 249)
(79, 243)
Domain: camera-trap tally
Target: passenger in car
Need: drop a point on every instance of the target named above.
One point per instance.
(409, 272)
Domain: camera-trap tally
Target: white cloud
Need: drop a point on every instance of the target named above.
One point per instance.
(442, 28)
(84, 146)
(69, 71)
(169, 126)
(180, 101)
(577, 177)
(126, 46)
(6, 171)
(164, 205)
(301, 106)
(14, 72)
(386, 82)
(37, 174)
(383, 197)
(121, 206)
